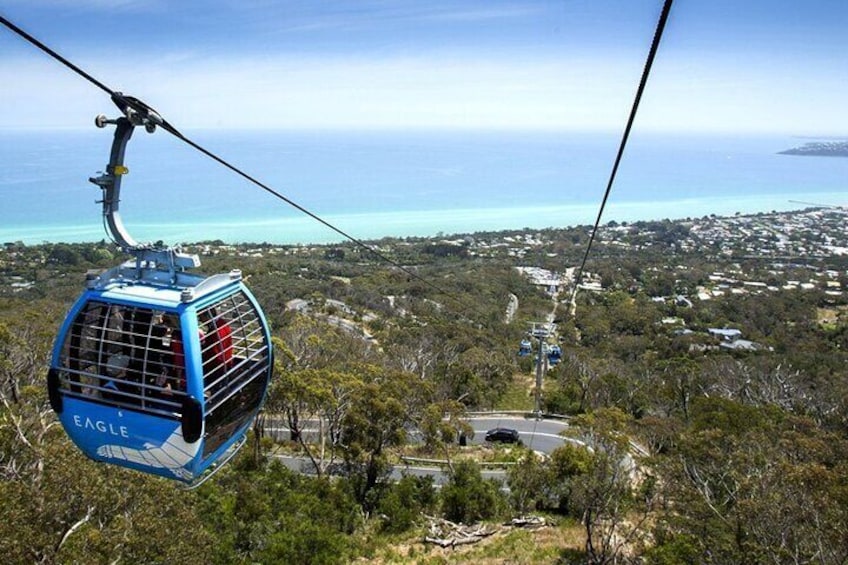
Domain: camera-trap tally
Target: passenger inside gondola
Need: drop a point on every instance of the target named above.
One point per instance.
(157, 366)
(116, 376)
(114, 335)
(115, 361)
(174, 365)
(216, 346)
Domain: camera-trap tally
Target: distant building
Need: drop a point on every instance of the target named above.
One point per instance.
(542, 277)
(297, 304)
(592, 286)
(725, 334)
(741, 345)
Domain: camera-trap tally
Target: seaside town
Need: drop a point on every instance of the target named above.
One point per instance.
(752, 255)
(782, 239)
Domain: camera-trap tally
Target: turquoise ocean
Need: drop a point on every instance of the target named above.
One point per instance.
(395, 183)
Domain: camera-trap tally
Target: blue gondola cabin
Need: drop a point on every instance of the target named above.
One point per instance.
(162, 378)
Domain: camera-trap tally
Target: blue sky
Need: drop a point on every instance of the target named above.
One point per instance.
(743, 66)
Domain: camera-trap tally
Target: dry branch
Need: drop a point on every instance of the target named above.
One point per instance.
(445, 533)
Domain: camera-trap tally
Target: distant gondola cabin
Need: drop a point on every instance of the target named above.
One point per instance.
(162, 378)
(554, 354)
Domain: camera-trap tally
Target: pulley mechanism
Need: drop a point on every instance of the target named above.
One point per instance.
(152, 262)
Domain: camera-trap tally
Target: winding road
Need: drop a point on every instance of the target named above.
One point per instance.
(541, 435)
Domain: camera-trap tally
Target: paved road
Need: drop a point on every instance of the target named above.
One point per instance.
(303, 465)
(539, 435)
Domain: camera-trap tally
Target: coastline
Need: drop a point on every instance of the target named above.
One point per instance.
(399, 184)
(302, 230)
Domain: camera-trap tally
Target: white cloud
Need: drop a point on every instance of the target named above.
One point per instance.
(739, 94)
(313, 92)
(437, 91)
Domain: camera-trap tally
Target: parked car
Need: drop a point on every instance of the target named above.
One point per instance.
(503, 435)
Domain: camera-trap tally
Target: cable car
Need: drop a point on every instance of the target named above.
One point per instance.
(525, 348)
(155, 368)
(554, 354)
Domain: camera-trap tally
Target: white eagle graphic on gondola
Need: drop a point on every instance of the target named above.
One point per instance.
(172, 455)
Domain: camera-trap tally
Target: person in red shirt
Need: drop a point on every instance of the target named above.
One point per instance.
(216, 345)
(174, 376)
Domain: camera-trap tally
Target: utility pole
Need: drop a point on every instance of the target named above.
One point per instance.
(541, 331)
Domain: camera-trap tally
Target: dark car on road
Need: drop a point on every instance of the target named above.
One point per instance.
(504, 435)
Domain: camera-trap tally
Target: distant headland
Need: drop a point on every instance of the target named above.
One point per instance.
(820, 149)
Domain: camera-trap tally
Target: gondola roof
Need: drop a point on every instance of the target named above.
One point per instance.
(157, 288)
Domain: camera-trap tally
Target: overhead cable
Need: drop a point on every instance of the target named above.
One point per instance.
(633, 110)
